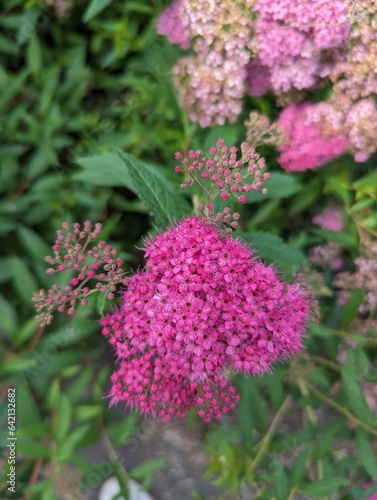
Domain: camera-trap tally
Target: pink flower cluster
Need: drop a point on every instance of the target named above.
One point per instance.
(297, 41)
(307, 146)
(170, 25)
(202, 308)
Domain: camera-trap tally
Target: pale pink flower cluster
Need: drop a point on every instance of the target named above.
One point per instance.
(294, 44)
(212, 82)
(306, 145)
(330, 219)
(203, 308)
(364, 278)
(327, 256)
(298, 41)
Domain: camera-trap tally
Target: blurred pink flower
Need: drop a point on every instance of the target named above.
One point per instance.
(330, 219)
(306, 146)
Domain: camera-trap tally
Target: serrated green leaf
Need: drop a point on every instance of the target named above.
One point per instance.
(154, 191)
(324, 487)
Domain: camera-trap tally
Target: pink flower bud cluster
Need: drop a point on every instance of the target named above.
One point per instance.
(222, 174)
(307, 146)
(202, 308)
(71, 252)
(330, 219)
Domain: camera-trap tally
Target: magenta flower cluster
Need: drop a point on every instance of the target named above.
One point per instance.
(203, 308)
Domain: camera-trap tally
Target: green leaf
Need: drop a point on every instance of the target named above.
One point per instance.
(146, 470)
(27, 409)
(87, 412)
(367, 182)
(121, 431)
(33, 243)
(94, 8)
(279, 186)
(8, 318)
(32, 449)
(352, 390)
(34, 55)
(272, 248)
(154, 191)
(54, 394)
(104, 170)
(76, 387)
(325, 487)
(229, 133)
(365, 453)
(298, 468)
(63, 418)
(72, 441)
(24, 281)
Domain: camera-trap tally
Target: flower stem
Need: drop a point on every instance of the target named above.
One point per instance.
(270, 433)
(350, 416)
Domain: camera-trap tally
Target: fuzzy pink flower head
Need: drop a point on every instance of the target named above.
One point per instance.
(330, 219)
(307, 147)
(204, 306)
(170, 24)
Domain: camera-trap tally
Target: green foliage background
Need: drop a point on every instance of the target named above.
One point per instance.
(82, 97)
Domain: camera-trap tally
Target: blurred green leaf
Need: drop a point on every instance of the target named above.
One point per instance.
(63, 418)
(24, 281)
(94, 8)
(352, 390)
(365, 453)
(272, 248)
(324, 487)
(33, 449)
(279, 186)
